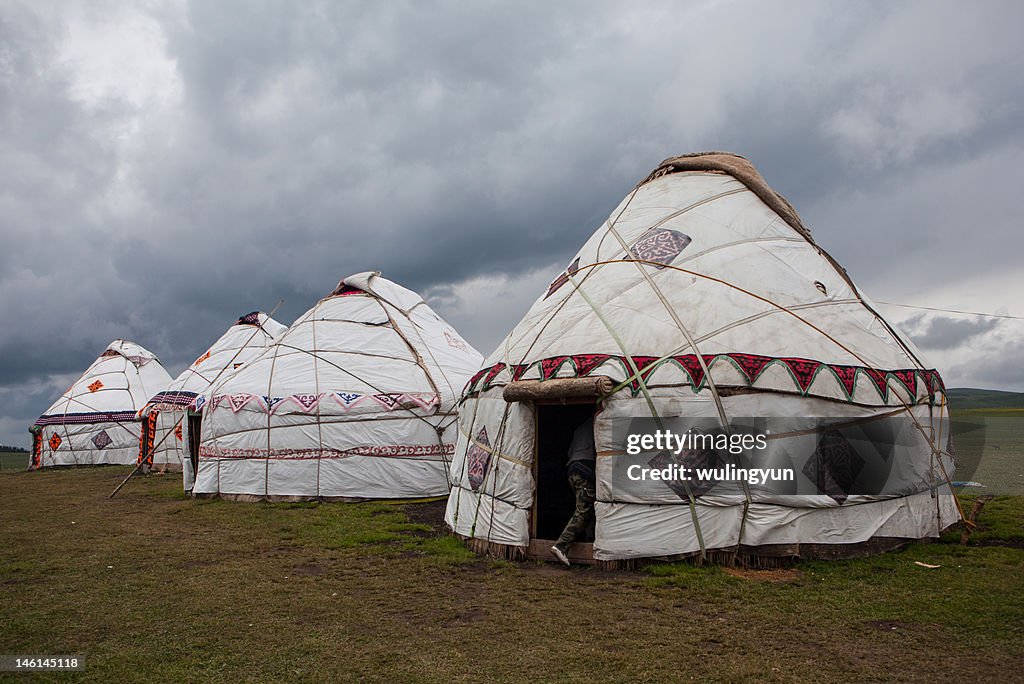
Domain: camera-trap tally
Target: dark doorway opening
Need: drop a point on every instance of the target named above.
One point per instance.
(195, 424)
(555, 501)
(147, 439)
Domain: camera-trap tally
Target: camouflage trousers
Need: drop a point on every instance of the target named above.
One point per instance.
(582, 521)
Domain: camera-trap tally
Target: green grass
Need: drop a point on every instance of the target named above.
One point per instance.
(890, 587)
(13, 460)
(1000, 523)
(152, 586)
(989, 447)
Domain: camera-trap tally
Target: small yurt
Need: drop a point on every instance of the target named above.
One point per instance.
(170, 419)
(356, 400)
(96, 421)
(703, 304)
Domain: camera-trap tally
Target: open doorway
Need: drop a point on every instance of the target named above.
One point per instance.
(195, 426)
(555, 500)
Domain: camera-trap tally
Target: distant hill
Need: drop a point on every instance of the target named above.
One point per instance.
(968, 398)
(4, 447)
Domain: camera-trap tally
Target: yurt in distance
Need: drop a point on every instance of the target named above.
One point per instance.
(356, 400)
(96, 420)
(171, 418)
(704, 300)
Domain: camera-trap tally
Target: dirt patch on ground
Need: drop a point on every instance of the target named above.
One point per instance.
(588, 574)
(427, 513)
(309, 569)
(470, 615)
(481, 567)
(545, 569)
(617, 575)
(776, 576)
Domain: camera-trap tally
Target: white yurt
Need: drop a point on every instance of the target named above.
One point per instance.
(170, 418)
(356, 400)
(96, 420)
(703, 298)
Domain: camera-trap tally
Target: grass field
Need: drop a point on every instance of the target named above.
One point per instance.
(151, 586)
(13, 460)
(990, 449)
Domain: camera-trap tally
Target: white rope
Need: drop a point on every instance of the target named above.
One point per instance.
(952, 311)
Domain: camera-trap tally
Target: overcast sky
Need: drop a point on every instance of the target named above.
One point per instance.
(168, 166)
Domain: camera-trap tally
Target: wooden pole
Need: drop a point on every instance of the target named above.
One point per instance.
(970, 522)
(558, 388)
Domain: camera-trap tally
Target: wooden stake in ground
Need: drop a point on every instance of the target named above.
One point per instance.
(136, 469)
(970, 522)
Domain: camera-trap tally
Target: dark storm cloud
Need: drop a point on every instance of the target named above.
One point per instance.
(167, 167)
(942, 332)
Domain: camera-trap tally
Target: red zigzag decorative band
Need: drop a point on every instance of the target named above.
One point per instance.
(803, 371)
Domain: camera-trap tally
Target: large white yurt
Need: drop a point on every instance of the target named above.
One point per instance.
(356, 400)
(96, 420)
(703, 299)
(170, 418)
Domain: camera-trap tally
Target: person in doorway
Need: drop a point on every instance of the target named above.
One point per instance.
(582, 460)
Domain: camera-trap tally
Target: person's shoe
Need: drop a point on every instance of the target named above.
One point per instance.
(560, 555)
